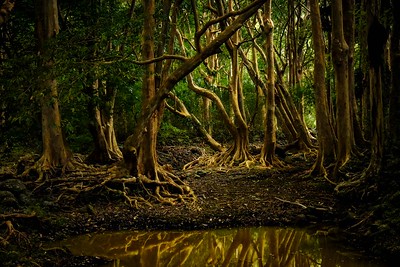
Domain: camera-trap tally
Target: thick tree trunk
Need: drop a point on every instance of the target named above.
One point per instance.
(377, 38)
(239, 152)
(147, 159)
(340, 51)
(326, 140)
(55, 152)
(268, 149)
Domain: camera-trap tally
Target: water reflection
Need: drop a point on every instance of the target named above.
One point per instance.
(272, 247)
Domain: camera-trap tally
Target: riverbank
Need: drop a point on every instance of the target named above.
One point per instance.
(226, 198)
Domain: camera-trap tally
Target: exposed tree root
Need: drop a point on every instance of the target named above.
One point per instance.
(80, 181)
(274, 162)
(11, 232)
(168, 188)
(230, 158)
(355, 182)
(46, 169)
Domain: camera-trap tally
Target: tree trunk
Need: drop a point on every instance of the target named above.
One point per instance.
(180, 109)
(377, 38)
(340, 51)
(357, 138)
(55, 152)
(394, 109)
(268, 149)
(326, 139)
(146, 161)
(106, 149)
(131, 144)
(239, 152)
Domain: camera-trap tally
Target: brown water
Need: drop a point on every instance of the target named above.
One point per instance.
(274, 247)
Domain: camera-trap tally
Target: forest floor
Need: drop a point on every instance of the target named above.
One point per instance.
(226, 198)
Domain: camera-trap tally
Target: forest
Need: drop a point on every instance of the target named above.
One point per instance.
(198, 114)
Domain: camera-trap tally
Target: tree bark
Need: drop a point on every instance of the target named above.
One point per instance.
(55, 152)
(106, 148)
(146, 160)
(377, 38)
(268, 149)
(357, 138)
(340, 51)
(326, 151)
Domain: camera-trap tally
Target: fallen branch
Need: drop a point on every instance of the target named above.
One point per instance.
(290, 202)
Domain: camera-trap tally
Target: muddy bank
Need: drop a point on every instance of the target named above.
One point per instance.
(225, 198)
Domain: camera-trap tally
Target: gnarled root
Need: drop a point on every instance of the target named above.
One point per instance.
(11, 232)
(45, 168)
(229, 158)
(115, 181)
(167, 187)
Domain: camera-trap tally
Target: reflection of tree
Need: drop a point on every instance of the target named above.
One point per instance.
(142, 248)
(267, 247)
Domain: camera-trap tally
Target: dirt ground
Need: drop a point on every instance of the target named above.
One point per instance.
(225, 198)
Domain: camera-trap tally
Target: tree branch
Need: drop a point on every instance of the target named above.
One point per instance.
(183, 70)
(157, 59)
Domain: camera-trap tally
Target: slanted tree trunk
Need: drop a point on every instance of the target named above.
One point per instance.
(180, 109)
(132, 143)
(326, 140)
(340, 51)
(55, 153)
(267, 156)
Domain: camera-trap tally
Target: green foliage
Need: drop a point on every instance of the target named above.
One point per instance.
(171, 135)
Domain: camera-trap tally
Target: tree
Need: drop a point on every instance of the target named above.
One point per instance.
(268, 149)
(101, 107)
(356, 138)
(326, 137)
(377, 38)
(55, 152)
(340, 51)
(134, 150)
(102, 91)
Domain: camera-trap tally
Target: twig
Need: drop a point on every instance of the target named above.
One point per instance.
(290, 202)
(363, 220)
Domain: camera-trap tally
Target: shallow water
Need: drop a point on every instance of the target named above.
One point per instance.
(264, 246)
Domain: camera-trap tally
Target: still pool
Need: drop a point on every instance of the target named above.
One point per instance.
(265, 246)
